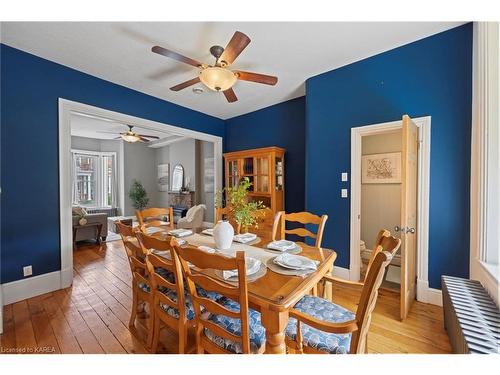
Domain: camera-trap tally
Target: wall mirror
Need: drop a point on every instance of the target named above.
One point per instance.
(177, 177)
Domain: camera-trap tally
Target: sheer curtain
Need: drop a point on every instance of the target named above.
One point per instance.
(74, 188)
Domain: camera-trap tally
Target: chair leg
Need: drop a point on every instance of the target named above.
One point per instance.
(133, 312)
(156, 334)
(182, 338)
(150, 328)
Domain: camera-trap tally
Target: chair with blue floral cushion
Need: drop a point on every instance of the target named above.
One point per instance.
(171, 305)
(317, 325)
(227, 325)
(141, 288)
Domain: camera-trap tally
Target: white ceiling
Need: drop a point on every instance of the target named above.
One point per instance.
(120, 52)
(89, 127)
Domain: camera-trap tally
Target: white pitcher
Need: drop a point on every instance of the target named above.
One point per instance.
(223, 235)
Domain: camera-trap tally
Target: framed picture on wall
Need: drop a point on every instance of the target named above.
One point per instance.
(381, 168)
(209, 175)
(163, 176)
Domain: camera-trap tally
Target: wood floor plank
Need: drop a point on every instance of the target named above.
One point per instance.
(101, 331)
(120, 330)
(25, 335)
(86, 339)
(8, 338)
(44, 334)
(65, 337)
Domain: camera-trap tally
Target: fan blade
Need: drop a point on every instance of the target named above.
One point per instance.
(235, 46)
(256, 77)
(149, 136)
(176, 56)
(183, 85)
(118, 137)
(144, 139)
(230, 95)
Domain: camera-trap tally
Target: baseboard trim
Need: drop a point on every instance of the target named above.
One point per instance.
(342, 273)
(428, 295)
(19, 290)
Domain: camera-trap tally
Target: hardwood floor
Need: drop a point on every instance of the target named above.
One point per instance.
(92, 315)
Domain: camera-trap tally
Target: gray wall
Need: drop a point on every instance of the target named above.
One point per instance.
(204, 150)
(184, 153)
(140, 164)
(380, 203)
(163, 157)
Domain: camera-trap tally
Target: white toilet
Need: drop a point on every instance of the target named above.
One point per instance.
(365, 258)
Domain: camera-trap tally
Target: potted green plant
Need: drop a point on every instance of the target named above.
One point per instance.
(138, 196)
(244, 212)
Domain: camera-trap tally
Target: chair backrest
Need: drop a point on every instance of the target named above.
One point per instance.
(153, 217)
(224, 213)
(156, 266)
(304, 218)
(384, 242)
(368, 299)
(239, 293)
(265, 224)
(135, 254)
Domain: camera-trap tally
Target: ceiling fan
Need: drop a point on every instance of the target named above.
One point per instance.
(131, 136)
(219, 77)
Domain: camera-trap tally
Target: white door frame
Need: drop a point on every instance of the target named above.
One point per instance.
(66, 107)
(424, 293)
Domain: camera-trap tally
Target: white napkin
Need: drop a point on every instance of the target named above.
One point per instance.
(162, 253)
(164, 222)
(210, 250)
(281, 245)
(152, 230)
(252, 266)
(244, 238)
(306, 263)
(208, 231)
(180, 232)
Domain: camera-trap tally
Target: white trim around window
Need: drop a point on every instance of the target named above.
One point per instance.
(485, 163)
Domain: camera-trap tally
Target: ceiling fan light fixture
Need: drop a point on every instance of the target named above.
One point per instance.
(130, 138)
(217, 78)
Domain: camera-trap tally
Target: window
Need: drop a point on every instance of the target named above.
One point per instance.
(94, 178)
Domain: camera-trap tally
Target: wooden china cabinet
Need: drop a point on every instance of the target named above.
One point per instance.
(265, 167)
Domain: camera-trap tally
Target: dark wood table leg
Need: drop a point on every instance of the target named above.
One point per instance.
(74, 237)
(98, 234)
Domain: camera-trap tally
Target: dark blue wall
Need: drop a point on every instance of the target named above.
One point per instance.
(281, 125)
(30, 88)
(430, 77)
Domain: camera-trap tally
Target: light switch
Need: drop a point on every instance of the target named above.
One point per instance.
(343, 193)
(344, 176)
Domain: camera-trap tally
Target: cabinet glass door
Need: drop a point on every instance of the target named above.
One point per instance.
(262, 176)
(233, 173)
(279, 174)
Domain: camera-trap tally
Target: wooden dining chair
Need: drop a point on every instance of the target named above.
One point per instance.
(304, 218)
(141, 287)
(265, 225)
(317, 325)
(383, 241)
(171, 306)
(155, 217)
(225, 325)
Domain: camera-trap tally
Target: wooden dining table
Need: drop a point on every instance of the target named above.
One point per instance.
(273, 294)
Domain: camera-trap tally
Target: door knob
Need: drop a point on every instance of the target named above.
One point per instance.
(397, 228)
